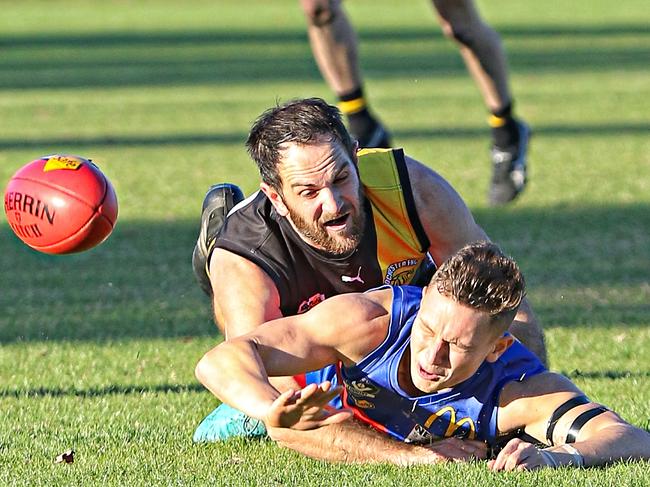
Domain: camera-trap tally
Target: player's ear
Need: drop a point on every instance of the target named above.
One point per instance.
(501, 345)
(275, 197)
(355, 149)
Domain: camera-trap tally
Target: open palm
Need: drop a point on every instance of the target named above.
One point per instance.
(306, 408)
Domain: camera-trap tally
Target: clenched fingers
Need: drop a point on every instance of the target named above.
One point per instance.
(517, 455)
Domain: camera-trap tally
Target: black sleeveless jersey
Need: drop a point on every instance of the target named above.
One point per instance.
(392, 246)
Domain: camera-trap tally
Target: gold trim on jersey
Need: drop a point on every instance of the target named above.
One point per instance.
(399, 250)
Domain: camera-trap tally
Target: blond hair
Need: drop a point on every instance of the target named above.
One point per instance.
(480, 276)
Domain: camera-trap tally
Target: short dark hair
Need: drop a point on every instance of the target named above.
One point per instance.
(480, 276)
(301, 121)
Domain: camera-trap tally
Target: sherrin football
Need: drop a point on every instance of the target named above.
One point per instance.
(61, 204)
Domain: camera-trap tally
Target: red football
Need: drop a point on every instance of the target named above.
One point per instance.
(61, 204)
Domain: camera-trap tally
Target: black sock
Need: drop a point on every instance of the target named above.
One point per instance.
(354, 106)
(505, 133)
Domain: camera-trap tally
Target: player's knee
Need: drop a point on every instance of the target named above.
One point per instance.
(459, 32)
(319, 12)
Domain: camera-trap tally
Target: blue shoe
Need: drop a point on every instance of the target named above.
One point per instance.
(226, 422)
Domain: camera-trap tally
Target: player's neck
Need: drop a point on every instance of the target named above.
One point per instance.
(404, 375)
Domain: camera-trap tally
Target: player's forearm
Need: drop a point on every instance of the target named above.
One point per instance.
(613, 443)
(353, 442)
(234, 372)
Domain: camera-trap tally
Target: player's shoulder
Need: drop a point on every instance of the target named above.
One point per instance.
(250, 228)
(426, 180)
(446, 219)
(255, 209)
(353, 323)
(536, 387)
(359, 306)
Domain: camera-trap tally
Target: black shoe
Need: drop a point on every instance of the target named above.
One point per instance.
(509, 169)
(376, 138)
(218, 201)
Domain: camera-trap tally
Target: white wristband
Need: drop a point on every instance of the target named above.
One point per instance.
(549, 459)
(578, 459)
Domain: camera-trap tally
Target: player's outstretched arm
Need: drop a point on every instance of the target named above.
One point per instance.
(449, 225)
(355, 442)
(577, 431)
(237, 371)
(244, 297)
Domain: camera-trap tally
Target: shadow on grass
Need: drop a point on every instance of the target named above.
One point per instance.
(61, 144)
(139, 283)
(101, 391)
(216, 57)
(213, 37)
(195, 387)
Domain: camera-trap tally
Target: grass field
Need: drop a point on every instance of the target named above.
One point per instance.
(97, 350)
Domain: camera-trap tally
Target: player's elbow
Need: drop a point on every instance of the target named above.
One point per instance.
(200, 370)
(213, 368)
(205, 370)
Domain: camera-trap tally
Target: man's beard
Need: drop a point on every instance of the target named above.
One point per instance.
(318, 235)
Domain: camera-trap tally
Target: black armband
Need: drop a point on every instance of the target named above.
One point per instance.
(561, 411)
(581, 420)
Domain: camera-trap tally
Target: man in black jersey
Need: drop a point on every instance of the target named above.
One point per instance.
(317, 229)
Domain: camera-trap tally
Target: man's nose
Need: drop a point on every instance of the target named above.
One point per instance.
(331, 201)
(438, 353)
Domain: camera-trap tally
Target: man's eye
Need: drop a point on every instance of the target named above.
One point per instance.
(341, 178)
(308, 193)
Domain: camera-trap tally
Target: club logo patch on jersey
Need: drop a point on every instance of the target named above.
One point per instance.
(308, 304)
(400, 273)
(361, 388)
(362, 403)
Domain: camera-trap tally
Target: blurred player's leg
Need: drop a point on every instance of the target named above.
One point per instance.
(218, 201)
(485, 59)
(334, 45)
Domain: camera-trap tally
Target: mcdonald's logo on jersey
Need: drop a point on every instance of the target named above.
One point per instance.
(445, 418)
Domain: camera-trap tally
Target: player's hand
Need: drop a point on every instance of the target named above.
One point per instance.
(306, 409)
(458, 450)
(518, 455)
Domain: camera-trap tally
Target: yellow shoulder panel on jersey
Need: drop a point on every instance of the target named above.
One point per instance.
(401, 243)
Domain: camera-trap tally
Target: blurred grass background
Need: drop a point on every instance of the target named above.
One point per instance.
(97, 350)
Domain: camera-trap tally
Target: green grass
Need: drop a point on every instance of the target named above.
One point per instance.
(97, 350)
